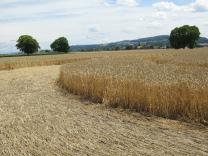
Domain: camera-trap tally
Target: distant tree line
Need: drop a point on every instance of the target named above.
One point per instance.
(148, 45)
(29, 45)
(180, 37)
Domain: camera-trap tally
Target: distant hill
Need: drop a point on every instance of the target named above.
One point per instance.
(162, 40)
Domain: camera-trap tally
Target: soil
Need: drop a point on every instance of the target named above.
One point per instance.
(38, 118)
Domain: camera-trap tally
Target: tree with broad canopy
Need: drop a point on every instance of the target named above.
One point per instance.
(61, 45)
(27, 44)
(184, 36)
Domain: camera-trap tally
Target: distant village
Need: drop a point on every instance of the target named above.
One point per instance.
(127, 47)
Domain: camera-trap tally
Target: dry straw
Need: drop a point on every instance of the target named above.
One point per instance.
(167, 83)
(132, 81)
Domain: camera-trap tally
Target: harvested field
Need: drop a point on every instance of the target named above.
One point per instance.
(37, 118)
(156, 83)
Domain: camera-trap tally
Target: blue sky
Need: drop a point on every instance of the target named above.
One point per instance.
(96, 21)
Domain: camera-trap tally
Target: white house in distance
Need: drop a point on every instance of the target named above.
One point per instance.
(204, 44)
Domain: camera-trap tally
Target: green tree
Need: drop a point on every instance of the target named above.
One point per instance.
(184, 36)
(129, 47)
(27, 44)
(61, 45)
(117, 48)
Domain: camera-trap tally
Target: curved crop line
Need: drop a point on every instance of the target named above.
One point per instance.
(180, 101)
(169, 101)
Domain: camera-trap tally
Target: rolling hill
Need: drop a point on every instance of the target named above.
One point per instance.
(161, 40)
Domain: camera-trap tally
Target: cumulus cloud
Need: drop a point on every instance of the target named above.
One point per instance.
(170, 6)
(165, 6)
(94, 21)
(200, 5)
(94, 28)
(159, 15)
(155, 24)
(129, 3)
(107, 4)
(94, 33)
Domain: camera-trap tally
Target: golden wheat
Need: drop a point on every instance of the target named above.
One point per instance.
(188, 58)
(30, 61)
(168, 83)
(132, 81)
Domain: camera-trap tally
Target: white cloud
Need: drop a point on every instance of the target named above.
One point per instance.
(129, 3)
(154, 24)
(107, 4)
(200, 5)
(37, 11)
(165, 6)
(159, 15)
(205, 24)
(7, 47)
(94, 34)
(170, 6)
(96, 38)
(130, 30)
(12, 1)
(141, 19)
(94, 28)
(92, 21)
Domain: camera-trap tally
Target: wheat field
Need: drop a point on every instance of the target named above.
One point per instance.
(168, 83)
(38, 117)
(45, 60)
